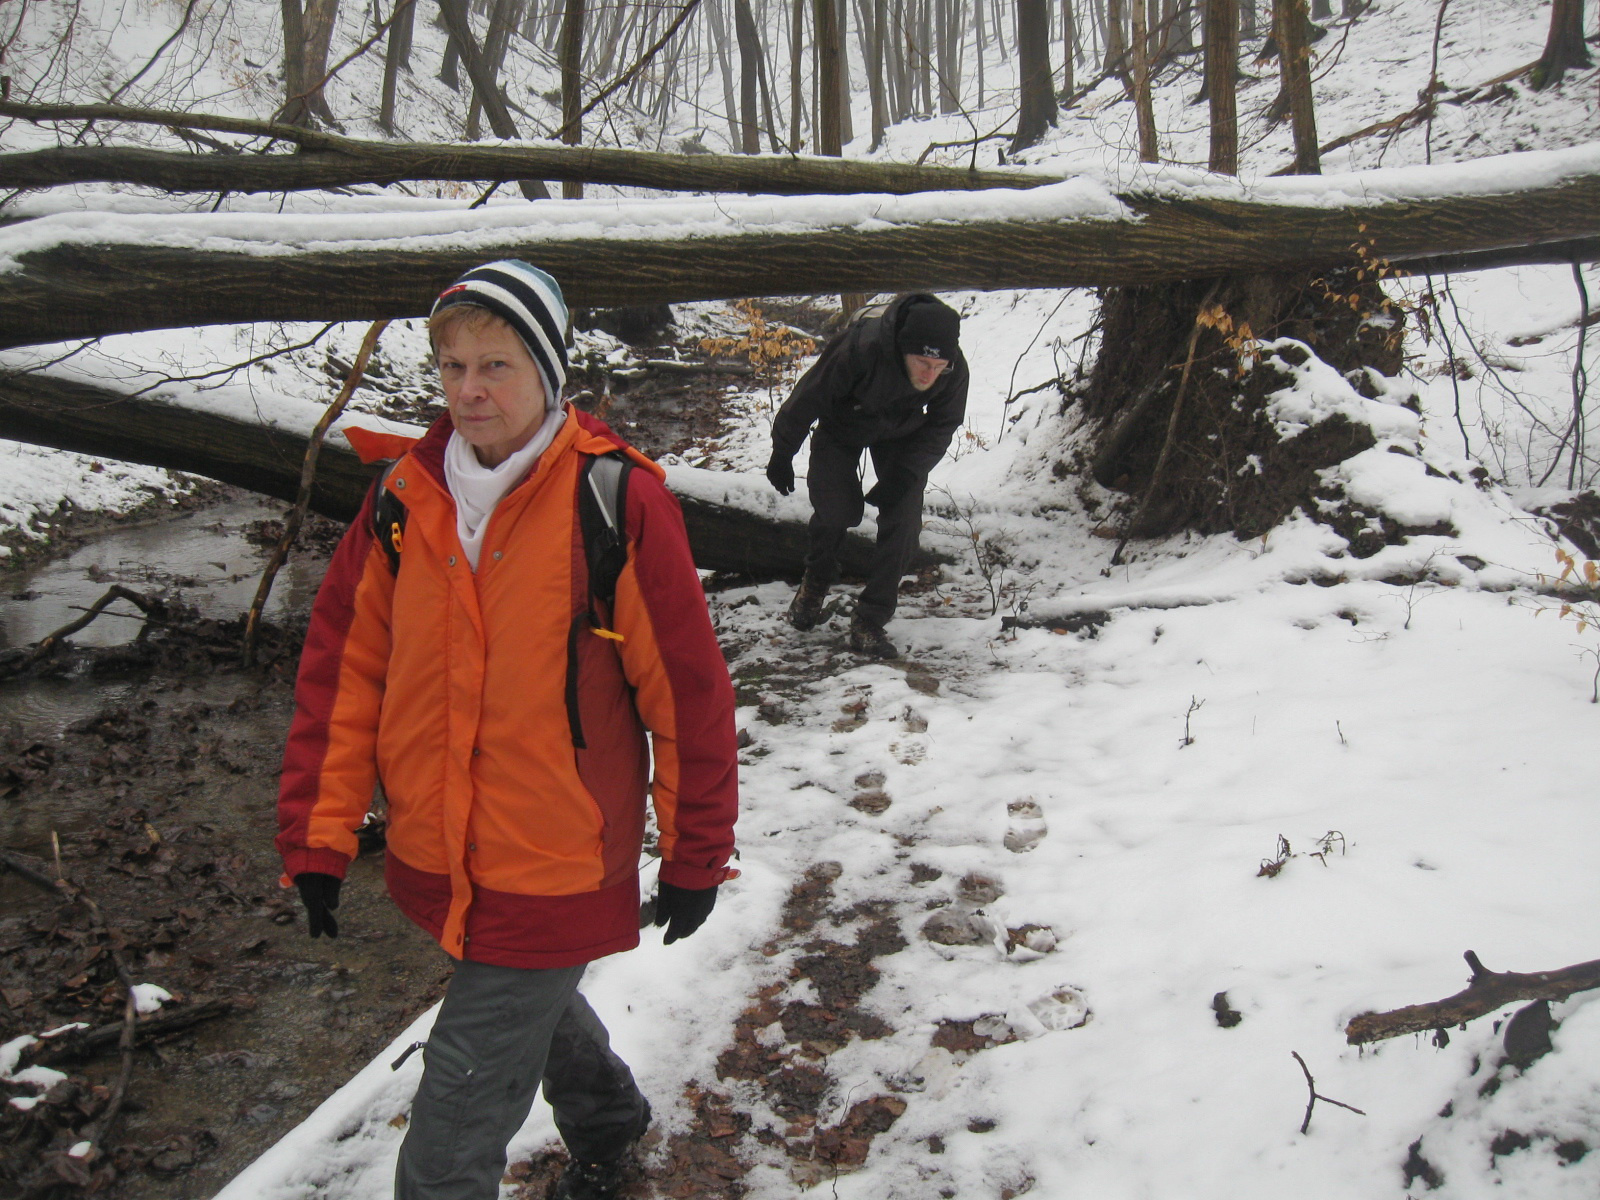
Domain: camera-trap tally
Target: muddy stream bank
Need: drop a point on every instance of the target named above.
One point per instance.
(153, 764)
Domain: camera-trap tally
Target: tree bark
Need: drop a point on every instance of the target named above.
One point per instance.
(829, 131)
(572, 87)
(875, 71)
(1564, 49)
(1143, 102)
(1292, 27)
(744, 29)
(92, 419)
(1487, 992)
(484, 85)
(1221, 73)
(1036, 85)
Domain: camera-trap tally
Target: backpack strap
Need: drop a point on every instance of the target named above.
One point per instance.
(602, 518)
(388, 519)
(602, 510)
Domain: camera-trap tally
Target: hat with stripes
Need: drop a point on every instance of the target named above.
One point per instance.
(527, 299)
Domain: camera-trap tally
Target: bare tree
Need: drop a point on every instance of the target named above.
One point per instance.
(572, 85)
(1143, 104)
(829, 134)
(1222, 69)
(1564, 49)
(1036, 82)
(396, 58)
(307, 34)
(744, 29)
(1291, 26)
(1247, 18)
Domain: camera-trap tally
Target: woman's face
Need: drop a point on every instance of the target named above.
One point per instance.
(493, 388)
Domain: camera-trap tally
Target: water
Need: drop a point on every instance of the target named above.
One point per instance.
(201, 558)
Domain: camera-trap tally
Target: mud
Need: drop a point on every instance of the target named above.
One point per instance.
(160, 805)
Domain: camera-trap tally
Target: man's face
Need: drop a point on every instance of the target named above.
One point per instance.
(923, 371)
(494, 389)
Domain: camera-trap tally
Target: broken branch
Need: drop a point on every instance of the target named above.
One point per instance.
(302, 500)
(1486, 992)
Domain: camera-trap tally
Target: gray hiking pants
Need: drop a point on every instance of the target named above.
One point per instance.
(501, 1032)
(833, 482)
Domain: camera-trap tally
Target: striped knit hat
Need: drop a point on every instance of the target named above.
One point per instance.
(527, 299)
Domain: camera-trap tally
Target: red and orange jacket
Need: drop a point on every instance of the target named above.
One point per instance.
(506, 841)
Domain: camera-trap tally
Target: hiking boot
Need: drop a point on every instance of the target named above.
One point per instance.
(590, 1181)
(599, 1180)
(805, 610)
(870, 639)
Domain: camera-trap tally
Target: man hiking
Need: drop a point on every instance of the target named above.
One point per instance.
(513, 610)
(892, 382)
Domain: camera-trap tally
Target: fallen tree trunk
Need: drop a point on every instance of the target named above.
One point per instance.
(1485, 993)
(48, 410)
(343, 162)
(85, 276)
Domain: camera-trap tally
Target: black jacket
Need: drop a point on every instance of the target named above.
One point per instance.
(858, 394)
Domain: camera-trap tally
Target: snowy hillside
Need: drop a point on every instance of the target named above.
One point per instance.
(1050, 906)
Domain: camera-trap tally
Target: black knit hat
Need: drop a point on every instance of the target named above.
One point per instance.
(530, 301)
(930, 328)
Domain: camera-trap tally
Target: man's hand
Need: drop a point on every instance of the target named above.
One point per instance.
(683, 910)
(320, 894)
(780, 473)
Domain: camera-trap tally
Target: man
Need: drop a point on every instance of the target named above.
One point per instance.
(462, 651)
(893, 382)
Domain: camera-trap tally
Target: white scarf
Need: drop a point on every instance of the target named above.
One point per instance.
(478, 489)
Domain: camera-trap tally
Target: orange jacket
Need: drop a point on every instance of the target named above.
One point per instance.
(506, 841)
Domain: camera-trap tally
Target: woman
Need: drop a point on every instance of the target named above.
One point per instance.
(460, 652)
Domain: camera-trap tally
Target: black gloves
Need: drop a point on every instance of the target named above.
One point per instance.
(320, 894)
(682, 910)
(780, 473)
(886, 493)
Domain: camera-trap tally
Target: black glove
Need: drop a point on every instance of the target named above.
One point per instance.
(683, 910)
(780, 473)
(320, 894)
(886, 493)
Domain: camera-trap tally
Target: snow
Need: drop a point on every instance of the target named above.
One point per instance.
(149, 997)
(1414, 725)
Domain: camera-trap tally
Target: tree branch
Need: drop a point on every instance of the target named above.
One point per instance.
(1486, 992)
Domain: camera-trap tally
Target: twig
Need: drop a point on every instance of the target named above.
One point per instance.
(1486, 992)
(308, 474)
(1311, 1086)
(84, 1043)
(188, 12)
(116, 592)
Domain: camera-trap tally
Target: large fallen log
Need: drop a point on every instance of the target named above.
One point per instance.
(84, 275)
(94, 419)
(328, 160)
(1486, 992)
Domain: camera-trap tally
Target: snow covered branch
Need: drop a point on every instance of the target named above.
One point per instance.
(328, 160)
(105, 421)
(73, 275)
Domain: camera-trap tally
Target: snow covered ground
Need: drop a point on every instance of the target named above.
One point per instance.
(1406, 736)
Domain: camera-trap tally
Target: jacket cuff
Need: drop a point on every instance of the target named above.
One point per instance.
(322, 861)
(694, 878)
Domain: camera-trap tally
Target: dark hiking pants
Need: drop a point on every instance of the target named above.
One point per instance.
(833, 481)
(501, 1032)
